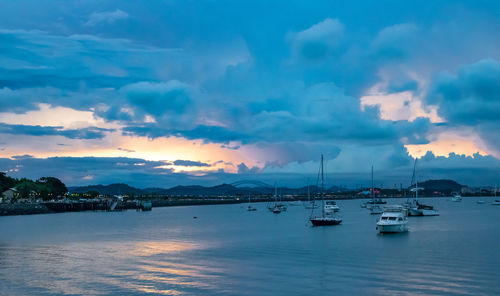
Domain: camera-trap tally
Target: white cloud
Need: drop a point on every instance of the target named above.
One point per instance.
(106, 17)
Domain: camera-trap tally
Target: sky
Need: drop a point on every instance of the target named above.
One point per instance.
(165, 93)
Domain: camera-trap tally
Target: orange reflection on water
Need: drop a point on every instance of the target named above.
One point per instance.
(161, 247)
(153, 290)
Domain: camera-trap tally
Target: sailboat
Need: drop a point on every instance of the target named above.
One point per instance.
(456, 197)
(274, 208)
(250, 208)
(310, 204)
(324, 220)
(375, 208)
(496, 202)
(416, 208)
(481, 201)
(281, 205)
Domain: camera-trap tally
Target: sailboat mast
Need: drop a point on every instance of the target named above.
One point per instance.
(275, 193)
(416, 182)
(308, 192)
(373, 193)
(322, 188)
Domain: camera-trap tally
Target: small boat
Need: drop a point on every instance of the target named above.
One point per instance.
(331, 206)
(376, 209)
(277, 207)
(250, 208)
(310, 204)
(480, 202)
(415, 208)
(456, 198)
(393, 220)
(424, 210)
(324, 219)
(496, 202)
(281, 205)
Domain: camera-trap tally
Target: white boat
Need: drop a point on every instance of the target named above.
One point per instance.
(456, 198)
(325, 219)
(376, 210)
(331, 207)
(393, 220)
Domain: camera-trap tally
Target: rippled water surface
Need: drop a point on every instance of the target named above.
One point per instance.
(229, 251)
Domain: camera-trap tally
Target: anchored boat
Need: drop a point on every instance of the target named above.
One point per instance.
(325, 219)
(394, 219)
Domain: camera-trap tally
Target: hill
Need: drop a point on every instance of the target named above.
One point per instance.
(443, 186)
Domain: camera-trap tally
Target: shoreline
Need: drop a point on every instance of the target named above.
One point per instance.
(17, 209)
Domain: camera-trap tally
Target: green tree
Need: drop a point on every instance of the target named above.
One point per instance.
(53, 185)
(6, 182)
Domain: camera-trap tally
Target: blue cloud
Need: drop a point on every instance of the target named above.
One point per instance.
(190, 163)
(106, 17)
(36, 130)
(293, 88)
(470, 98)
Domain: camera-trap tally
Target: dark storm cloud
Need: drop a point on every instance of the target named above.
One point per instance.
(36, 130)
(190, 163)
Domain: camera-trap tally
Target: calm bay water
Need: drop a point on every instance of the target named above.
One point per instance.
(229, 251)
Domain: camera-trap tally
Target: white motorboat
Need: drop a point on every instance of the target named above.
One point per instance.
(331, 207)
(393, 220)
(456, 198)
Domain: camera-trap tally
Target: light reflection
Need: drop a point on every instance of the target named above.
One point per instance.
(151, 248)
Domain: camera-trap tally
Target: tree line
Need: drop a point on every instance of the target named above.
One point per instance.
(45, 188)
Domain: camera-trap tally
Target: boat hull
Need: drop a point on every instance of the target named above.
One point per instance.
(429, 213)
(392, 228)
(422, 212)
(325, 221)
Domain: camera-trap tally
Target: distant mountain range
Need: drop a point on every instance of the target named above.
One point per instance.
(445, 186)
